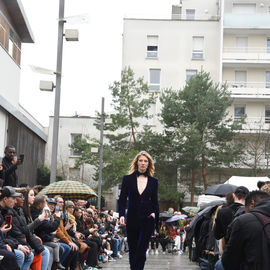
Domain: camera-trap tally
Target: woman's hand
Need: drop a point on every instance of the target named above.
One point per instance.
(5, 228)
(152, 215)
(122, 221)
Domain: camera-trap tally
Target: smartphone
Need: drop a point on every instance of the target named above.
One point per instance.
(8, 220)
(56, 210)
(21, 157)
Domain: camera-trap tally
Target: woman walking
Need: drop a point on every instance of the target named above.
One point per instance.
(141, 189)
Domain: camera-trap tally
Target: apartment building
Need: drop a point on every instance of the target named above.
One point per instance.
(18, 127)
(228, 38)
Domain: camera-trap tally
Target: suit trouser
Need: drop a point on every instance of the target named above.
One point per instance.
(138, 236)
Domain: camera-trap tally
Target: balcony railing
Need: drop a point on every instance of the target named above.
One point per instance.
(260, 54)
(195, 17)
(254, 124)
(249, 89)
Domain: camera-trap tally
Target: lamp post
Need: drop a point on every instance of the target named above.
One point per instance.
(57, 90)
(101, 152)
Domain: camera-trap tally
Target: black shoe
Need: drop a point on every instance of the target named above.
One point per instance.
(98, 266)
(60, 266)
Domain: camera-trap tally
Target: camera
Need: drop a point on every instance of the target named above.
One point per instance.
(21, 157)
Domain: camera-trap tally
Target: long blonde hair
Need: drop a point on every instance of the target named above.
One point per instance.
(134, 165)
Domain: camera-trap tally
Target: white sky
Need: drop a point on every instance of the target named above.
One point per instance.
(90, 65)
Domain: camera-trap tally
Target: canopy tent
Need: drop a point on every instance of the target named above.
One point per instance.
(246, 181)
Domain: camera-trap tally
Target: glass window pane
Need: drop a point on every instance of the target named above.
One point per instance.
(267, 79)
(155, 76)
(239, 110)
(189, 74)
(190, 14)
(268, 45)
(244, 8)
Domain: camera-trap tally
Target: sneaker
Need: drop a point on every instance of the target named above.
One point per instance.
(111, 259)
(147, 251)
(108, 252)
(119, 255)
(156, 252)
(180, 252)
(163, 252)
(174, 248)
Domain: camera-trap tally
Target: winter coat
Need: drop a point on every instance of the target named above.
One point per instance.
(9, 173)
(47, 227)
(21, 232)
(244, 248)
(224, 217)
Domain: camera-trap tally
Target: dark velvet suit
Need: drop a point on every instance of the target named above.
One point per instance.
(140, 225)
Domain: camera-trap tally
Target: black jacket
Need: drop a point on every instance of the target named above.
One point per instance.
(244, 248)
(12, 242)
(9, 173)
(139, 206)
(224, 217)
(45, 229)
(21, 232)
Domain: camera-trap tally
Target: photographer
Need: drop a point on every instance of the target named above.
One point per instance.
(10, 163)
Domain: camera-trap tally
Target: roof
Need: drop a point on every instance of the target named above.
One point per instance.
(19, 19)
(246, 181)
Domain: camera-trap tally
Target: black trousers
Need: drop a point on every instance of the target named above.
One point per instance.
(9, 261)
(138, 237)
(92, 257)
(164, 243)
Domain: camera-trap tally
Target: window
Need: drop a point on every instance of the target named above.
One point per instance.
(267, 79)
(268, 45)
(244, 8)
(75, 137)
(267, 148)
(240, 78)
(197, 51)
(239, 111)
(241, 44)
(190, 14)
(190, 73)
(267, 114)
(154, 84)
(11, 43)
(152, 46)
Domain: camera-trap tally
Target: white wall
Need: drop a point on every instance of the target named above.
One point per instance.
(3, 133)
(9, 78)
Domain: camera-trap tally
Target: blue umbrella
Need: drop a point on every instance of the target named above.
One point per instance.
(176, 217)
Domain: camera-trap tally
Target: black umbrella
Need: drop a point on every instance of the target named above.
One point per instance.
(164, 216)
(220, 189)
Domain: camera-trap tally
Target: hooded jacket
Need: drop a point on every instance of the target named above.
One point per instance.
(244, 248)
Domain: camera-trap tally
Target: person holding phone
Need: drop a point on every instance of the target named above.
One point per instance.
(10, 163)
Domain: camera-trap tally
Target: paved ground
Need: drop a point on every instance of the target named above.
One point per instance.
(160, 262)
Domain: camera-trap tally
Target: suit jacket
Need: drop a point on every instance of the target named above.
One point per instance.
(140, 206)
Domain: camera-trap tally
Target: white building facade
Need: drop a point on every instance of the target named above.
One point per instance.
(230, 39)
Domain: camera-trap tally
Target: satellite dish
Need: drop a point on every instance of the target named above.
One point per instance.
(77, 19)
(43, 70)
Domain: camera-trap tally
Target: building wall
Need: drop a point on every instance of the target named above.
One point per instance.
(66, 161)
(9, 85)
(228, 5)
(3, 133)
(29, 144)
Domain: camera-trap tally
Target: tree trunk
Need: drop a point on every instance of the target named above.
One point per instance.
(204, 173)
(192, 187)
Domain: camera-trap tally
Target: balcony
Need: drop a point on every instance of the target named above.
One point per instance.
(255, 124)
(194, 17)
(247, 56)
(246, 22)
(249, 90)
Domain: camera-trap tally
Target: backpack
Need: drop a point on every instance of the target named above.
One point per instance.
(265, 221)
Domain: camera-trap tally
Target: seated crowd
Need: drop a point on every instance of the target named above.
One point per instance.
(42, 233)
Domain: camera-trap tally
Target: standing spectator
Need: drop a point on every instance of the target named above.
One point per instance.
(244, 249)
(10, 163)
(226, 214)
